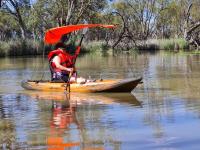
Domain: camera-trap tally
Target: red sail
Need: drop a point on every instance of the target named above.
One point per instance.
(53, 35)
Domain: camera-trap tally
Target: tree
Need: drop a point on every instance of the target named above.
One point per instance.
(169, 18)
(192, 25)
(51, 13)
(8, 27)
(136, 21)
(18, 9)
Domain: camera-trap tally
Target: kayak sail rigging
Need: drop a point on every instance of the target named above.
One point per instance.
(52, 36)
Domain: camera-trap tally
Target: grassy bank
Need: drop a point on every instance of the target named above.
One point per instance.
(20, 47)
(94, 46)
(153, 44)
(29, 47)
(165, 44)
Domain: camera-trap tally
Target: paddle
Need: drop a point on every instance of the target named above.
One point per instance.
(80, 43)
(76, 55)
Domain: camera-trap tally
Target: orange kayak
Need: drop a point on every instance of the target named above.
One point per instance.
(117, 85)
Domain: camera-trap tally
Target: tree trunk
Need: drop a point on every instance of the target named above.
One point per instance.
(18, 17)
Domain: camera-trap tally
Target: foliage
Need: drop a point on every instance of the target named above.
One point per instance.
(18, 47)
(96, 45)
(167, 44)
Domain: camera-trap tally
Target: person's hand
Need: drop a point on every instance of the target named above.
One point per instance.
(74, 69)
(70, 69)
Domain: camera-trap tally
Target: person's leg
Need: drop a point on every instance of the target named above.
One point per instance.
(57, 77)
(65, 77)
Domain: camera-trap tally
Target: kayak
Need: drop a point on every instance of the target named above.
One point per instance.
(115, 85)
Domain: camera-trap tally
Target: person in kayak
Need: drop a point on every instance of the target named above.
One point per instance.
(62, 64)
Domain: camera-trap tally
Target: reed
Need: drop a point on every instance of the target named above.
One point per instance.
(20, 47)
(168, 44)
(95, 46)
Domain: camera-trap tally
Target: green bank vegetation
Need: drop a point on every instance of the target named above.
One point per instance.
(167, 44)
(144, 24)
(20, 47)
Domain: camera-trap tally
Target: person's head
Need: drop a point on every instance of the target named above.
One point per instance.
(69, 44)
(60, 45)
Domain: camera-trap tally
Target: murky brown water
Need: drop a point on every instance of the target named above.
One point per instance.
(164, 112)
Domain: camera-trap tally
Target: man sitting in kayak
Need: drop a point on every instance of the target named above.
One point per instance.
(62, 64)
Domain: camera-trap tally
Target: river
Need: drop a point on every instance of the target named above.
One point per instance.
(161, 113)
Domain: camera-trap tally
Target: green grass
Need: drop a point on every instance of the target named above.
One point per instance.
(20, 47)
(162, 44)
(95, 46)
(29, 47)
(170, 44)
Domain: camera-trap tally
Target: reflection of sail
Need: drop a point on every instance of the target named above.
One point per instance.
(63, 115)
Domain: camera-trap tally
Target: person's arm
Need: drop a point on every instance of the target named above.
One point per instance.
(57, 60)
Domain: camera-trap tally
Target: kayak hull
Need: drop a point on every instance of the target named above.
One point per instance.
(124, 85)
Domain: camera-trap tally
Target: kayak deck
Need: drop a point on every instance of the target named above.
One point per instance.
(117, 85)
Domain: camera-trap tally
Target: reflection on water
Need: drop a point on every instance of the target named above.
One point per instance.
(163, 113)
(63, 118)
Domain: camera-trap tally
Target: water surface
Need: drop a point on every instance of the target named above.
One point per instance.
(162, 113)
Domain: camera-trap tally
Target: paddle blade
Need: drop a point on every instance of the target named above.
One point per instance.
(54, 35)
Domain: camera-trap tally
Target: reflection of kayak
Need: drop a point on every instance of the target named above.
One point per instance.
(125, 85)
(83, 98)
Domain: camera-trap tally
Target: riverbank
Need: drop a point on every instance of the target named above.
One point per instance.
(20, 48)
(26, 47)
(165, 44)
(30, 47)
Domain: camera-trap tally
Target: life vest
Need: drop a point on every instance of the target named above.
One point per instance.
(66, 60)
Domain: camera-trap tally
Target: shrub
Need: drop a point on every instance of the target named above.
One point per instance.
(172, 44)
(95, 46)
(20, 47)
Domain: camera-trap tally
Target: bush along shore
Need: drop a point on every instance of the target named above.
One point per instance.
(165, 44)
(20, 48)
(31, 47)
